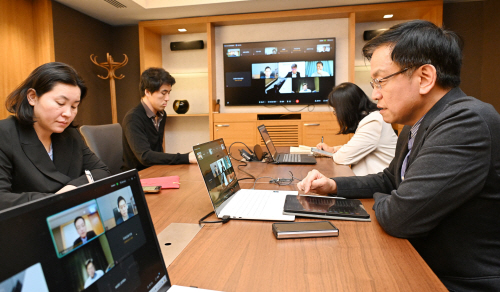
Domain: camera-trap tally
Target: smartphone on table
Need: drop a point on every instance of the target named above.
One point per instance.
(151, 189)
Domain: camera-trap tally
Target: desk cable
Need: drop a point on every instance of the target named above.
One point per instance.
(242, 161)
(224, 219)
(278, 181)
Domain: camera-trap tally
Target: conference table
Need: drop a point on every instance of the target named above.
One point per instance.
(244, 255)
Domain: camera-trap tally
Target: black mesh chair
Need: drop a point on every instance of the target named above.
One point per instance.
(106, 142)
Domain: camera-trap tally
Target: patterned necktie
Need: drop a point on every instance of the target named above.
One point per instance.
(405, 162)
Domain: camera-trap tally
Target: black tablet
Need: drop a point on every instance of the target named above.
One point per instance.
(325, 207)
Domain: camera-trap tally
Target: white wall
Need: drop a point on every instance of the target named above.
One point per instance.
(362, 66)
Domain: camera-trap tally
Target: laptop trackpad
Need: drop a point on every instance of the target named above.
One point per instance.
(175, 238)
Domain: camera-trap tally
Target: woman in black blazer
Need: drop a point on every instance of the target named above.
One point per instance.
(40, 153)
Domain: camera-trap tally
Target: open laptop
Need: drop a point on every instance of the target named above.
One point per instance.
(284, 158)
(228, 199)
(42, 247)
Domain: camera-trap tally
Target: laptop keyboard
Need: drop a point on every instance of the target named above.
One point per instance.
(291, 157)
(250, 203)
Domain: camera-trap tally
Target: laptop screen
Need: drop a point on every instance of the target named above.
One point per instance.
(267, 141)
(98, 237)
(218, 172)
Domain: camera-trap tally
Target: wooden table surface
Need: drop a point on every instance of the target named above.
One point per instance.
(244, 255)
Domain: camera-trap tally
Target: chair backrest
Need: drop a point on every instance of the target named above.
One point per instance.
(106, 142)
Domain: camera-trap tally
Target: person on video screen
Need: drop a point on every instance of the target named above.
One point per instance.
(319, 72)
(124, 212)
(293, 73)
(81, 228)
(92, 273)
(304, 88)
(268, 73)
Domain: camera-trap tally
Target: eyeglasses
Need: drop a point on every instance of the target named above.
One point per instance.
(376, 82)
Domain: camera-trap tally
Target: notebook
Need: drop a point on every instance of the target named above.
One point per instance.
(166, 182)
(228, 199)
(284, 158)
(80, 240)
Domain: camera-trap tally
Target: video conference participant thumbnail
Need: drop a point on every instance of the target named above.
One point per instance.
(306, 85)
(117, 207)
(88, 264)
(75, 227)
(264, 70)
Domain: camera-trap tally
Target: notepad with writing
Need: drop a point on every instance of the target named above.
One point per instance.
(166, 182)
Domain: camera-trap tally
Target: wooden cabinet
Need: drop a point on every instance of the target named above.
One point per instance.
(236, 132)
(325, 125)
(300, 129)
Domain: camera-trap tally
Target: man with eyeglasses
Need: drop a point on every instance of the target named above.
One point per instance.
(442, 189)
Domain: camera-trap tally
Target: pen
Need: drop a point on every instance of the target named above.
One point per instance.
(89, 176)
(322, 139)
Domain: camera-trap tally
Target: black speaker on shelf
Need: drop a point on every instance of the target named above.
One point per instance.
(192, 45)
(369, 34)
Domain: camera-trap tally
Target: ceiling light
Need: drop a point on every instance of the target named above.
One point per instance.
(388, 16)
(182, 30)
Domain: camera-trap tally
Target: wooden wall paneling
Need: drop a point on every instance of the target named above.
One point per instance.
(149, 48)
(26, 43)
(435, 15)
(211, 76)
(43, 31)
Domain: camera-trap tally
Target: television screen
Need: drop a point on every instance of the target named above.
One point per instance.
(279, 72)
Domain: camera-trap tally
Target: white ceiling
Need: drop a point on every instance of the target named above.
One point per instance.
(138, 10)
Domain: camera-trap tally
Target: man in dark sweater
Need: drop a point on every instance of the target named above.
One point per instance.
(144, 125)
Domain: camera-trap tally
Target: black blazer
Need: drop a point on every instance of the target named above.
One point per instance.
(78, 241)
(26, 171)
(290, 74)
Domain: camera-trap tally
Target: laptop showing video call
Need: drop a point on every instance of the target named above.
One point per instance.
(98, 237)
(284, 158)
(228, 199)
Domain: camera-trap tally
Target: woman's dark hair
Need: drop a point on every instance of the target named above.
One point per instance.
(42, 80)
(153, 78)
(418, 42)
(351, 105)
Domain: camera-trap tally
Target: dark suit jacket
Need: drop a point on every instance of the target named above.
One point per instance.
(26, 171)
(120, 219)
(448, 205)
(78, 241)
(290, 74)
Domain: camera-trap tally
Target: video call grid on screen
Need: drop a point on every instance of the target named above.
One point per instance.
(118, 254)
(217, 170)
(279, 72)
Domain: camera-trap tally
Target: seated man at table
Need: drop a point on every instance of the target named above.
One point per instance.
(144, 125)
(442, 189)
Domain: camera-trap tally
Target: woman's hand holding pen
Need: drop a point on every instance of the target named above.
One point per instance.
(324, 146)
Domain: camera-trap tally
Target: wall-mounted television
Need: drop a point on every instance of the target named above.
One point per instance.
(290, 72)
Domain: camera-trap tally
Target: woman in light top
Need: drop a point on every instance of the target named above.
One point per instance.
(372, 147)
(40, 153)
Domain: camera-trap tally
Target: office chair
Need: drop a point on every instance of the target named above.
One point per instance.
(106, 142)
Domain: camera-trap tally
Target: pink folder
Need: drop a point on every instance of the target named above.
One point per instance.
(166, 182)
